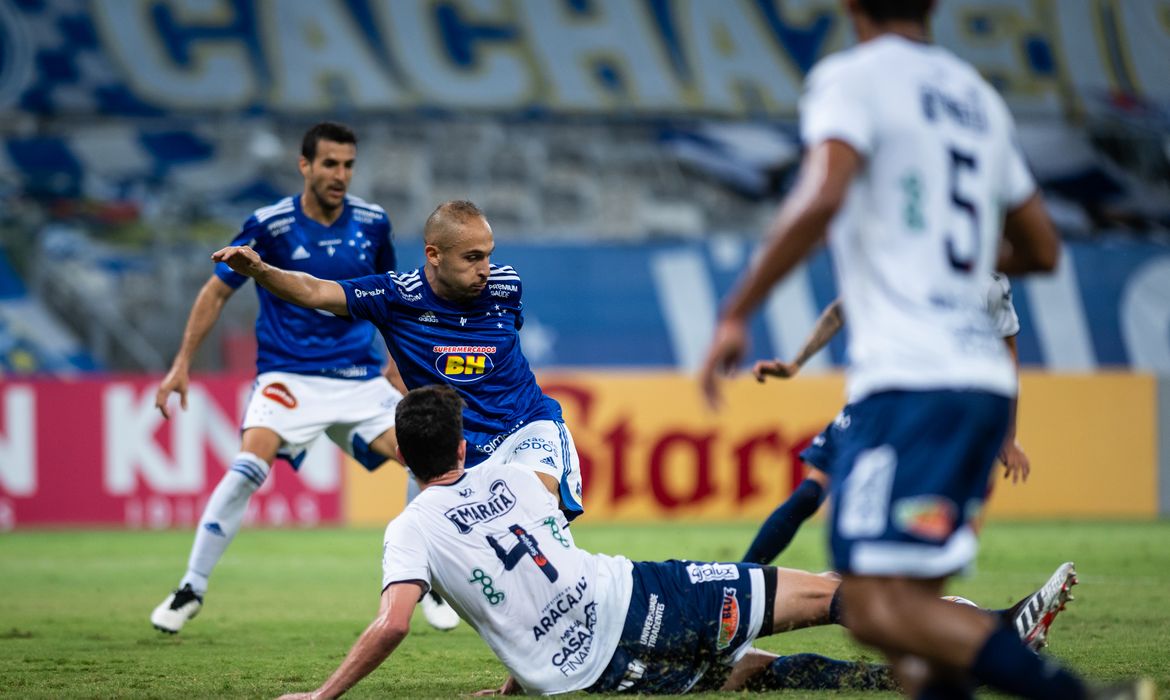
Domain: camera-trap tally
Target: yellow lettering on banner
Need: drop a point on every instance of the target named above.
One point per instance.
(475, 364)
(320, 58)
(218, 74)
(615, 36)
(994, 36)
(499, 76)
(737, 65)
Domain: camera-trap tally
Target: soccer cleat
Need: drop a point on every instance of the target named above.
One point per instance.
(173, 613)
(1032, 617)
(438, 613)
(1135, 689)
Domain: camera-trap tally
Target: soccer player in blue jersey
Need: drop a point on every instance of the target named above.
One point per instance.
(315, 372)
(455, 320)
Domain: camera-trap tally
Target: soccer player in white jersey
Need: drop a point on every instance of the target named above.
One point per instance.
(315, 373)
(912, 161)
(780, 527)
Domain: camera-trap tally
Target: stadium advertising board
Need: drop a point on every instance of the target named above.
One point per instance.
(627, 57)
(96, 451)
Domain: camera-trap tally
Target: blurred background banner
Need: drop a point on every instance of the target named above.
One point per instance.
(97, 452)
(651, 57)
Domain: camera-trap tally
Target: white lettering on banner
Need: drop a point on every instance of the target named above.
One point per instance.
(316, 52)
(733, 50)
(129, 424)
(1145, 316)
(614, 37)
(18, 470)
(686, 296)
(498, 76)
(1062, 329)
(217, 73)
(1143, 36)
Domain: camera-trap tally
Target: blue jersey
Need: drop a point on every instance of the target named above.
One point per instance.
(290, 338)
(473, 346)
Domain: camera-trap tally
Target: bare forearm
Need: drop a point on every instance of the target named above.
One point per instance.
(302, 289)
(830, 321)
(205, 312)
(371, 649)
(1013, 349)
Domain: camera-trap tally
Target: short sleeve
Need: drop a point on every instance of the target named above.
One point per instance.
(1000, 307)
(404, 553)
(833, 107)
(251, 234)
(370, 297)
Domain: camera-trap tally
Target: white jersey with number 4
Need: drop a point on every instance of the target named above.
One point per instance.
(917, 238)
(495, 545)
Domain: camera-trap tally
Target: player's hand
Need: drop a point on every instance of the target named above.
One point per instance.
(510, 687)
(774, 368)
(727, 351)
(175, 381)
(240, 258)
(1015, 462)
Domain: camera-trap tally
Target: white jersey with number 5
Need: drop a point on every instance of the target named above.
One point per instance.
(495, 545)
(917, 238)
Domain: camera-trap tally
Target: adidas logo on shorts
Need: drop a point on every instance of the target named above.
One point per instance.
(429, 317)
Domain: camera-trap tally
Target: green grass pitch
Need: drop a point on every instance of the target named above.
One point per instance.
(285, 605)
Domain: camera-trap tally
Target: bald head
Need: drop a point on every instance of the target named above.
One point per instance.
(446, 223)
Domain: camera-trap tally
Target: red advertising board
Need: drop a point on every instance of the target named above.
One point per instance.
(97, 451)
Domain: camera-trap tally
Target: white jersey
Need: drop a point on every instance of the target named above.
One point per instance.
(1000, 308)
(919, 232)
(495, 545)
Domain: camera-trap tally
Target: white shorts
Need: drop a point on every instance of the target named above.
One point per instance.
(299, 408)
(546, 446)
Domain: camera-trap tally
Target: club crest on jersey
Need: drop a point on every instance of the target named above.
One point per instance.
(464, 363)
(466, 515)
(280, 394)
(728, 618)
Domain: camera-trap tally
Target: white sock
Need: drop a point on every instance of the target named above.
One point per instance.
(222, 517)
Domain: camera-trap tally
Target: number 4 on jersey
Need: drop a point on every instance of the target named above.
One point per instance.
(526, 545)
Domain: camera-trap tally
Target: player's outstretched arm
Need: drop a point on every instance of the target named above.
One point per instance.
(205, 312)
(1016, 464)
(799, 226)
(831, 320)
(298, 287)
(375, 645)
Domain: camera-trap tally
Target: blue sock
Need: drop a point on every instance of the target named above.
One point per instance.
(1004, 663)
(781, 526)
(815, 672)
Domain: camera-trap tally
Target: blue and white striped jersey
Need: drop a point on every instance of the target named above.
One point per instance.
(474, 347)
(291, 338)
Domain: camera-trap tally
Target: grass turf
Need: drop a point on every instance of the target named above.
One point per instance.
(285, 606)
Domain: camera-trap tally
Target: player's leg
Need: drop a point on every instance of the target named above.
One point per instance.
(547, 447)
(780, 527)
(217, 526)
(906, 488)
(762, 671)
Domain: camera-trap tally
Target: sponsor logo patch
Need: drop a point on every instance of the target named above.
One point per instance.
(926, 517)
(464, 363)
(652, 625)
(279, 393)
(699, 572)
(360, 293)
(728, 618)
(498, 503)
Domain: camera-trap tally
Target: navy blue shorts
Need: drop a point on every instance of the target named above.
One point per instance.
(686, 620)
(823, 447)
(909, 476)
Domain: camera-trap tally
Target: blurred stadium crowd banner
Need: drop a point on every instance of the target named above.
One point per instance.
(96, 451)
(605, 57)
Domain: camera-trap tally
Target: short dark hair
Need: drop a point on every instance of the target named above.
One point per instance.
(328, 131)
(429, 426)
(885, 10)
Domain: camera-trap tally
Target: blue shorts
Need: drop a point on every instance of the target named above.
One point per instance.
(908, 478)
(686, 620)
(821, 450)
